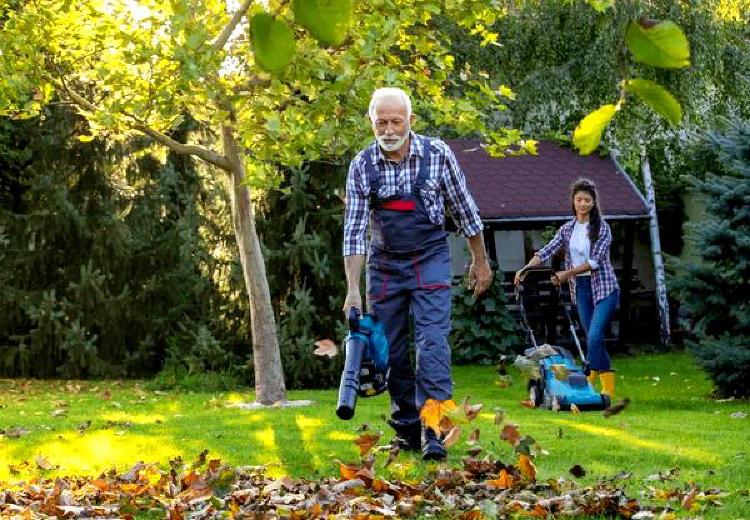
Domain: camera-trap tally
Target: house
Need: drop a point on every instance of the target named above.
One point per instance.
(523, 200)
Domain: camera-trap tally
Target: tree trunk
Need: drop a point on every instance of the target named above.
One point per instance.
(269, 375)
(661, 286)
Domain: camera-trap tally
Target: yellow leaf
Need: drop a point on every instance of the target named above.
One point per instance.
(433, 411)
(503, 481)
(588, 133)
(527, 467)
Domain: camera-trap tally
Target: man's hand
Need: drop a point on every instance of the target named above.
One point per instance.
(560, 277)
(520, 274)
(480, 277)
(353, 299)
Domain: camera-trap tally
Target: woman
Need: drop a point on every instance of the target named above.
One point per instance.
(588, 270)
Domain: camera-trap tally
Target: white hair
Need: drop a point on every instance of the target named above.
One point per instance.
(389, 92)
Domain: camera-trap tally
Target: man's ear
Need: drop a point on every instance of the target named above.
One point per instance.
(412, 118)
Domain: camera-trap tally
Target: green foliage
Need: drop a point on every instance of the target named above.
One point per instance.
(482, 329)
(713, 291)
(657, 97)
(326, 20)
(105, 263)
(273, 42)
(301, 227)
(658, 43)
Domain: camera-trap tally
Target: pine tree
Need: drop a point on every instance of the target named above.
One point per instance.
(713, 290)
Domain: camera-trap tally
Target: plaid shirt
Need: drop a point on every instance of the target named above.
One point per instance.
(446, 185)
(603, 279)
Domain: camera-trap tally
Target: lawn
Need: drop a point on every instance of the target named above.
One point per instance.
(672, 422)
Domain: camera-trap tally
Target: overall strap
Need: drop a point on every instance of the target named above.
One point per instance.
(424, 165)
(373, 177)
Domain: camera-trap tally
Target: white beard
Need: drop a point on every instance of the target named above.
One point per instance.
(393, 146)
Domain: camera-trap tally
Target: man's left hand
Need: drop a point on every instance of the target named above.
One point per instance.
(480, 277)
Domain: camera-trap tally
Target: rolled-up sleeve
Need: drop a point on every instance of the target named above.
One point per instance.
(600, 251)
(554, 245)
(355, 214)
(460, 203)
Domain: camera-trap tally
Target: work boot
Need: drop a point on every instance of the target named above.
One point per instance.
(592, 377)
(408, 436)
(608, 383)
(432, 446)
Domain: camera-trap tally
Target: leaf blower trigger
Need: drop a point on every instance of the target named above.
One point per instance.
(366, 364)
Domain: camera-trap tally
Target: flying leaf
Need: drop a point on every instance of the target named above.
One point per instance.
(392, 454)
(588, 133)
(474, 451)
(326, 20)
(657, 97)
(464, 413)
(658, 43)
(366, 441)
(43, 463)
(527, 467)
(348, 471)
(527, 404)
(499, 416)
(433, 411)
(452, 437)
(511, 434)
(326, 347)
(574, 409)
(273, 42)
(474, 437)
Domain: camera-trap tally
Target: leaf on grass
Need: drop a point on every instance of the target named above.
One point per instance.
(577, 471)
(366, 441)
(527, 467)
(499, 416)
(60, 412)
(527, 404)
(503, 481)
(474, 437)
(511, 434)
(616, 408)
(43, 463)
(348, 471)
(326, 347)
(433, 411)
(473, 452)
(392, 454)
(15, 433)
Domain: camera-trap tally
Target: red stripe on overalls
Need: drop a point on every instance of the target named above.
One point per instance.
(399, 205)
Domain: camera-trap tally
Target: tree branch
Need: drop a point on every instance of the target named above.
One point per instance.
(221, 41)
(207, 155)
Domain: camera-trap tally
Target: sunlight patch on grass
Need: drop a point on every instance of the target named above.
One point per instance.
(309, 427)
(629, 439)
(133, 418)
(236, 397)
(341, 436)
(267, 439)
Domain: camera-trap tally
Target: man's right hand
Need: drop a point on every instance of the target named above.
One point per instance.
(519, 276)
(353, 299)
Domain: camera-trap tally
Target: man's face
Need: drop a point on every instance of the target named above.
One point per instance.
(391, 124)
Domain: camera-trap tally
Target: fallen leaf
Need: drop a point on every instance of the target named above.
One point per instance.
(504, 381)
(503, 481)
(326, 347)
(106, 395)
(689, 499)
(43, 463)
(527, 404)
(473, 437)
(577, 471)
(473, 452)
(527, 467)
(60, 412)
(616, 408)
(15, 433)
(392, 454)
(738, 415)
(499, 416)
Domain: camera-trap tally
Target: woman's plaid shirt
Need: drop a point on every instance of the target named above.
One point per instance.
(603, 279)
(446, 185)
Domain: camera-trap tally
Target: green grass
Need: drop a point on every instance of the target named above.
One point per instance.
(672, 422)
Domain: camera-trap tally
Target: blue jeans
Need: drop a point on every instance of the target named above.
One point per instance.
(595, 319)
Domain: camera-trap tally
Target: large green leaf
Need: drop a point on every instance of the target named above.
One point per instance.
(326, 20)
(657, 97)
(273, 42)
(588, 133)
(661, 44)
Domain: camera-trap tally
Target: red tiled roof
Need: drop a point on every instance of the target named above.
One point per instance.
(538, 187)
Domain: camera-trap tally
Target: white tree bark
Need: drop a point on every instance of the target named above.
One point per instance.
(661, 286)
(269, 375)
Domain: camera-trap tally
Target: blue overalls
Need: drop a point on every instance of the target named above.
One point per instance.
(408, 271)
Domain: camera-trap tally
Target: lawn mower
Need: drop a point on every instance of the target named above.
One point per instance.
(559, 381)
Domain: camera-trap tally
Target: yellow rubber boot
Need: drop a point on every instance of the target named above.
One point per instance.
(608, 383)
(592, 377)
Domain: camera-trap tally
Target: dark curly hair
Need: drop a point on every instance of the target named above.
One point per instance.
(595, 217)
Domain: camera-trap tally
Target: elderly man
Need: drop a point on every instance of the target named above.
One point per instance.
(400, 186)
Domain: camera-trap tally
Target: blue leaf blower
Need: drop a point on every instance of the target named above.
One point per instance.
(366, 365)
